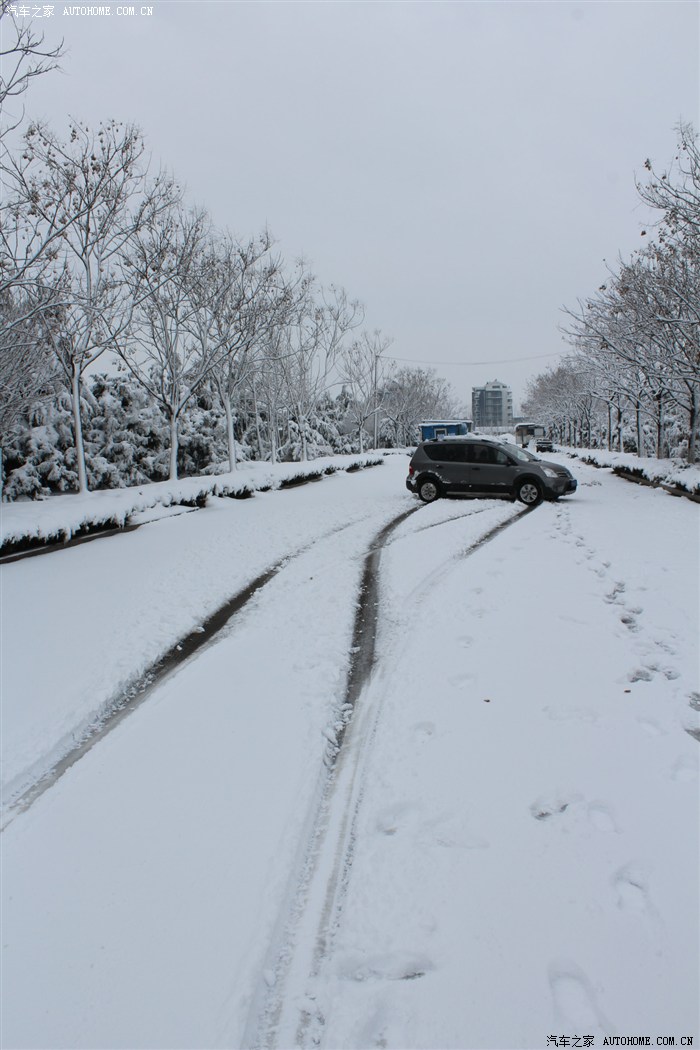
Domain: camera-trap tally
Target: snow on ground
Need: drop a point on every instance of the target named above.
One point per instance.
(522, 858)
(527, 857)
(80, 624)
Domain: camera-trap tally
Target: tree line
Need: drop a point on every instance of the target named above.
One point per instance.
(103, 261)
(632, 379)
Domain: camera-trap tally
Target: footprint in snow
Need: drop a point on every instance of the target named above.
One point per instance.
(646, 673)
(575, 1002)
(391, 966)
(546, 807)
(651, 727)
(424, 728)
(394, 817)
(685, 769)
(601, 817)
(630, 885)
(614, 594)
(642, 674)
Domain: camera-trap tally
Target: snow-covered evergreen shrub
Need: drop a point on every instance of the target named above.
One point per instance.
(128, 431)
(41, 457)
(127, 439)
(202, 439)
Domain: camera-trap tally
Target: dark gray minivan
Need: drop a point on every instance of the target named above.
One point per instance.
(482, 466)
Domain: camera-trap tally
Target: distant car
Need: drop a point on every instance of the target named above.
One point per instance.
(526, 434)
(481, 466)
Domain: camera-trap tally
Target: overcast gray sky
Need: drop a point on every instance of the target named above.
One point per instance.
(463, 168)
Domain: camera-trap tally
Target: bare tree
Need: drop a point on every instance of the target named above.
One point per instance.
(642, 328)
(87, 198)
(169, 348)
(244, 309)
(413, 394)
(24, 360)
(362, 370)
(563, 398)
(312, 339)
(23, 57)
(639, 335)
(676, 191)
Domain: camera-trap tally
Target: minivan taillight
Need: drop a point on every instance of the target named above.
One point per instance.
(410, 470)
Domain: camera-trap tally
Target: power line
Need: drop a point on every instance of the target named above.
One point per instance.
(500, 361)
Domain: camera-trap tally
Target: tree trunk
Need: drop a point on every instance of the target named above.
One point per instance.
(376, 406)
(78, 431)
(230, 439)
(640, 438)
(660, 427)
(173, 447)
(692, 426)
(304, 442)
(258, 434)
(272, 422)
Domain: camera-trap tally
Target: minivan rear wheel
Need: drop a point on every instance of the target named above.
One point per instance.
(529, 492)
(429, 490)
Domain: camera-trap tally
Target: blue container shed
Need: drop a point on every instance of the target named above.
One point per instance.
(434, 429)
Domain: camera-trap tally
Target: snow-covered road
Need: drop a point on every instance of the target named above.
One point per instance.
(505, 847)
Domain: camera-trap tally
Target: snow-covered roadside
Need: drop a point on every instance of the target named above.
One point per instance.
(658, 471)
(79, 625)
(61, 517)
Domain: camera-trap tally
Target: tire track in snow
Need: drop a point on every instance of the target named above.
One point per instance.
(283, 1012)
(84, 738)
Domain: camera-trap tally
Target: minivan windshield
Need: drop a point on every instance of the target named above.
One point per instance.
(520, 453)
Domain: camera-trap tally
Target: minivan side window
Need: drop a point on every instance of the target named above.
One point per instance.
(445, 452)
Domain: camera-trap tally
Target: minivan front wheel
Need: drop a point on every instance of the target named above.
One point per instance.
(529, 492)
(429, 490)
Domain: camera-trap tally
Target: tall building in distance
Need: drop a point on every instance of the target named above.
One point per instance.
(492, 405)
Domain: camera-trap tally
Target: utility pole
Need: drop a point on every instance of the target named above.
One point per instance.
(376, 406)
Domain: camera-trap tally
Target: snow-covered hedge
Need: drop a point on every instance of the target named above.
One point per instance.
(670, 472)
(25, 525)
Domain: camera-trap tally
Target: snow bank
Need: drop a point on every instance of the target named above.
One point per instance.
(58, 518)
(656, 471)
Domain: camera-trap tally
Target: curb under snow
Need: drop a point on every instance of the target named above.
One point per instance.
(680, 479)
(32, 525)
